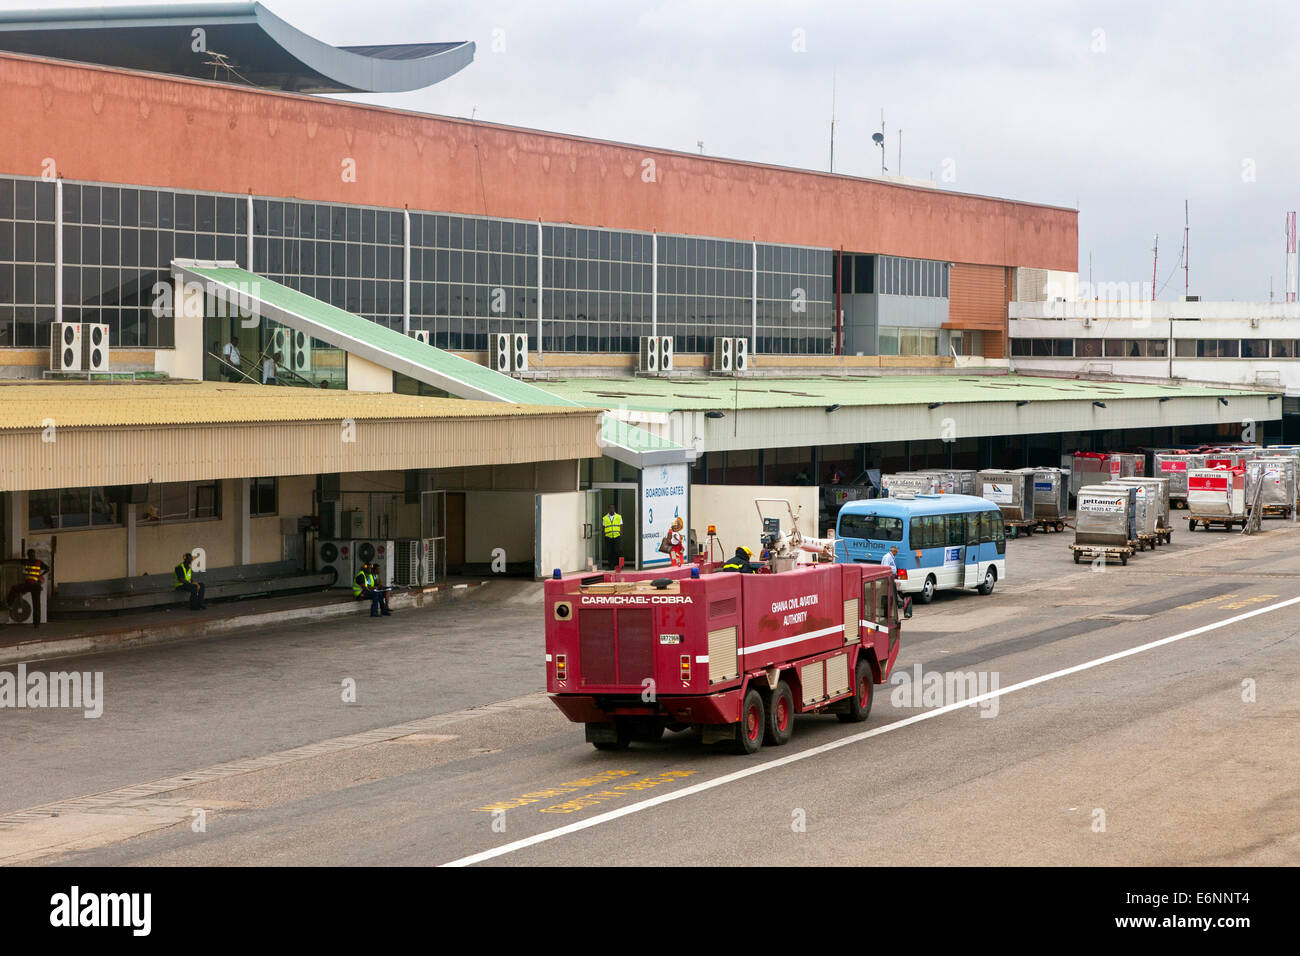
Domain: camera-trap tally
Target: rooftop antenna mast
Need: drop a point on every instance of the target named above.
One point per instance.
(1187, 257)
(1292, 273)
(1155, 258)
(832, 120)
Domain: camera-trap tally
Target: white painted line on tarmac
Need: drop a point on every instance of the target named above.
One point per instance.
(845, 741)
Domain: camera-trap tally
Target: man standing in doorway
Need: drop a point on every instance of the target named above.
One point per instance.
(613, 527)
(34, 571)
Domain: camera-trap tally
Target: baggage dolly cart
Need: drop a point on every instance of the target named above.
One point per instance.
(1205, 521)
(1013, 528)
(1105, 551)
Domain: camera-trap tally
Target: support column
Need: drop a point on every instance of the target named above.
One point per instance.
(244, 528)
(58, 249)
(406, 270)
(540, 264)
(654, 283)
(130, 541)
(15, 523)
(753, 298)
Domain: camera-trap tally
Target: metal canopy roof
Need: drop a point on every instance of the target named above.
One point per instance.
(242, 43)
(401, 353)
(788, 392)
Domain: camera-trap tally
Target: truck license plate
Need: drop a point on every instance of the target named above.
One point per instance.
(670, 638)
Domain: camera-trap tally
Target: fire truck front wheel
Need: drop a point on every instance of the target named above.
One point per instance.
(753, 720)
(780, 716)
(864, 690)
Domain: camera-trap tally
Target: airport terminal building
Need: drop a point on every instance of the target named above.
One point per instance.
(658, 319)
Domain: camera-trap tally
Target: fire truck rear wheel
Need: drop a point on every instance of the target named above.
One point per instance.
(780, 716)
(624, 738)
(864, 691)
(753, 720)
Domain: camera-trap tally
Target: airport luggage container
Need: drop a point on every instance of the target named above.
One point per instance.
(1088, 468)
(1105, 523)
(1216, 496)
(1174, 466)
(1013, 493)
(910, 482)
(1277, 474)
(1051, 497)
(1157, 490)
(1145, 511)
(949, 482)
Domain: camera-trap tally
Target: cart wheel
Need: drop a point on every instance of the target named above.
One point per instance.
(1123, 559)
(1060, 526)
(753, 718)
(860, 702)
(1076, 557)
(1191, 524)
(780, 716)
(1029, 530)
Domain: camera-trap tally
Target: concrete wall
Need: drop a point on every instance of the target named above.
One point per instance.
(731, 509)
(109, 125)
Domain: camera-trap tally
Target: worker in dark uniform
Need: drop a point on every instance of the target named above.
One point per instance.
(185, 582)
(364, 589)
(34, 571)
(740, 562)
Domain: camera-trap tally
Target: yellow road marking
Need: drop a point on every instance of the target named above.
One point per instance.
(591, 799)
(1245, 602)
(570, 786)
(1213, 600)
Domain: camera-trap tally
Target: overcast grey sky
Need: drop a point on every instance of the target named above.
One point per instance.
(1120, 109)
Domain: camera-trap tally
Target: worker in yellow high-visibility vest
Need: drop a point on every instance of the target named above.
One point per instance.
(612, 524)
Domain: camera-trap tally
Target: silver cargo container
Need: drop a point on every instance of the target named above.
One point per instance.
(948, 482)
(1146, 508)
(1012, 491)
(1088, 469)
(1158, 491)
(1106, 515)
(1126, 465)
(1278, 476)
(1051, 494)
(910, 482)
(1216, 493)
(1174, 466)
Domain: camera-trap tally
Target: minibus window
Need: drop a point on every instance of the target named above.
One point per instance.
(956, 530)
(986, 527)
(874, 527)
(972, 528)
(999, 533)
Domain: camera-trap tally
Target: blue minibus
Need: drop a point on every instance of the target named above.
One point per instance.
(944, 541)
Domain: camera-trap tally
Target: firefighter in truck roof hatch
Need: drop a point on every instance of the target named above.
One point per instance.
(740, 562)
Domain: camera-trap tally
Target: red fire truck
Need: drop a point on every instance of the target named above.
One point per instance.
(733, 656)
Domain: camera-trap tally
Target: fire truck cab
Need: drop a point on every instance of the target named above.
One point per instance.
(732, 656)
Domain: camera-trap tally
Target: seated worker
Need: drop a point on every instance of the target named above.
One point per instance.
(740, 562)
(365, 589)
(185, 582)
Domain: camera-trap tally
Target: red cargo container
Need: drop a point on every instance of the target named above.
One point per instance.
(733, 655)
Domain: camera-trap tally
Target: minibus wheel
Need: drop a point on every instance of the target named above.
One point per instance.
(990, 579)
(926, 594)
